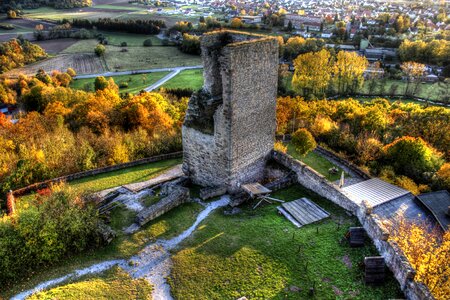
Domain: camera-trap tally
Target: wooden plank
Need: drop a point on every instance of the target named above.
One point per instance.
(289, 216)
(295, 213)
(323, 211)
(311, 211)
(303, 210)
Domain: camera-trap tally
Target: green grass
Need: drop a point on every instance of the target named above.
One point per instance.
(317, 162)
(132, 40)
(47, 13)
(135, 82)
(125, 176)
(113, 284)
(192, 79)
(82, 46)
(260, 255)
(138, 58)
(117, 178)
(430, 91)
(167, 226)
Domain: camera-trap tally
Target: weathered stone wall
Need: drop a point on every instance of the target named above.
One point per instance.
(241, 75)
(177, 196)
(314, 181)
(393, 255)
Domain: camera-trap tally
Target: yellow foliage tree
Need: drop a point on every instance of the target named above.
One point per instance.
(427, 252)
(348, 72)
(312, 73)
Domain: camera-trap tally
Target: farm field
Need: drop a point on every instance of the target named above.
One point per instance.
(132, 40)
(47, 13)
(81, 63)
(188, 79)
(82, 46)
(135, 82)
(56, 46)
(138, 58)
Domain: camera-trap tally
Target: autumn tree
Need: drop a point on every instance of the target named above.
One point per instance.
(312, 73)
(100, 83)
(427, 251)
(414, 73)
(348, 72)
(236, 23)
(303, 141)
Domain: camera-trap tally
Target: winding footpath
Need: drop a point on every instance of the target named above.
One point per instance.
(152, 263)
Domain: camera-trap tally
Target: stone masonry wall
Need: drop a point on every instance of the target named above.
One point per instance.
(241, 72)
(393, 255)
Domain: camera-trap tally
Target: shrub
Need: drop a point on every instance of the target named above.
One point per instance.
(123, 85)
(148, 43)
(412, 157)
(49, 229)
(303, 141)
(123, 44)
(280, 147)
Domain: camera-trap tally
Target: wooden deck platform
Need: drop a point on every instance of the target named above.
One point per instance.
(303, 211)
(255, 189)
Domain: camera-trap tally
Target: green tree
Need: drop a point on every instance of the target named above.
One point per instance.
(101, 83)
(100, 50)
(412, 157)
(303, 141)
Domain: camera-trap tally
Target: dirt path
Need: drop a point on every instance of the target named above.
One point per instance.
(152, 263)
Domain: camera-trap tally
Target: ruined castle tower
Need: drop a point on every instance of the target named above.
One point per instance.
(229, 129)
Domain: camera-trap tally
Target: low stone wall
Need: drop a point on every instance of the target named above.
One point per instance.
(67, 178)
(393, 255)
(177, 196)
(354, 168)
(314, 181)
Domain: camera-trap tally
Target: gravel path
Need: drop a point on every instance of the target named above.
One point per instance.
(152, 263)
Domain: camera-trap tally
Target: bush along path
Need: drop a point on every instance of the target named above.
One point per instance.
(153, 263)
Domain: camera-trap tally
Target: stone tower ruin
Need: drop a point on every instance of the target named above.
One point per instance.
(229, 129)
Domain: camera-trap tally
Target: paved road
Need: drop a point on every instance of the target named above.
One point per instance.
(107, 74)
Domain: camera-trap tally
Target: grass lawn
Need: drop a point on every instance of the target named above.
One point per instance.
(317, 162)
(135, 82)
(133, 40)
(138, 58)
(430, 91)
(48, 13)
(260, 255)
(113, 284)
(82, 46)
(117, 178)
(123, 246)
(192, 79)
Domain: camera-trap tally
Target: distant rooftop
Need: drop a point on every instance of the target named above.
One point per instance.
(375, 191)
(438, 204)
